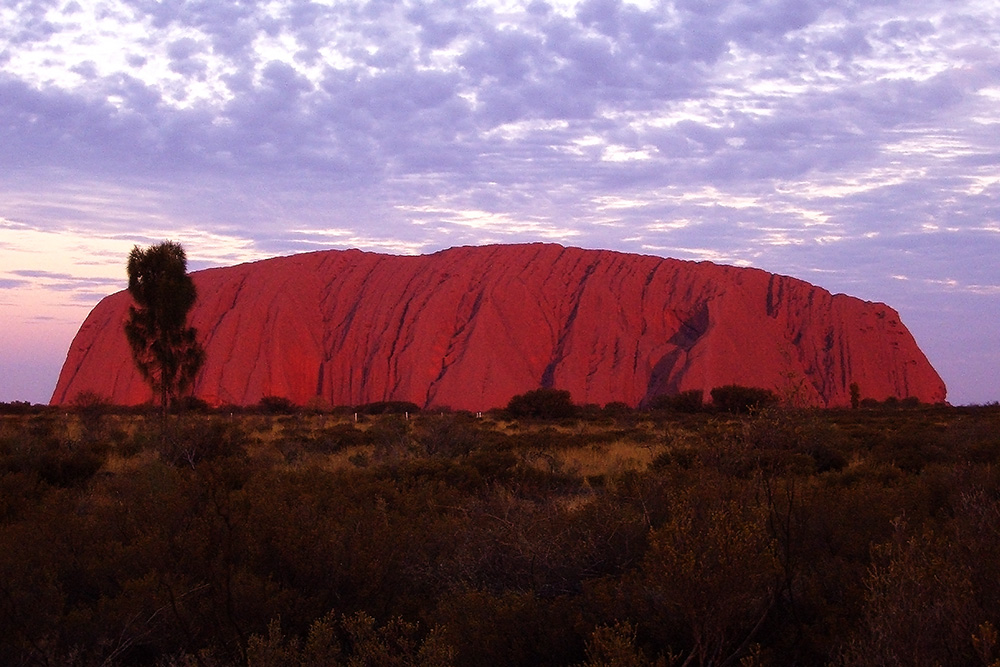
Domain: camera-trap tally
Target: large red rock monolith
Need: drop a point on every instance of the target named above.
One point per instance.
(471, 327)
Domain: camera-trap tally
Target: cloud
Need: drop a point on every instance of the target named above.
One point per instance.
(848, 140)
(66, 282)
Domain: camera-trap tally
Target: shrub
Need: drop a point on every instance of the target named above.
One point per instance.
(276, 405)
(739, 399)
(615, 646)
(448, 435)
(202, 439)
(71, 466)
(919, 606)
(542, 404)
(90, 401)
(689, 401)
(711, 575)
(388, 408)
(16, 408)
(391, 436)
(617, 410)
(355, 639)
(337, 438)
(189, 404)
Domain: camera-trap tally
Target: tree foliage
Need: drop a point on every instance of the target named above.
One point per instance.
(165, 349)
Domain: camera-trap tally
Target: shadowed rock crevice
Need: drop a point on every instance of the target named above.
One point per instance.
(576, 287)
(669, 371)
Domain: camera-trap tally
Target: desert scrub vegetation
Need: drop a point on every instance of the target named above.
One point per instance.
(599, 536)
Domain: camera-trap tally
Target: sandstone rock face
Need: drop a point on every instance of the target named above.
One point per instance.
(471, 327)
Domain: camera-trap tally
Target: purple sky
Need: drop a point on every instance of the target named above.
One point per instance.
(851, 143)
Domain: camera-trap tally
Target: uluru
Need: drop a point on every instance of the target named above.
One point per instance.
(470, 327)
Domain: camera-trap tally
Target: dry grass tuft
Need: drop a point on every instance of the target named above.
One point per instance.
(610, 459)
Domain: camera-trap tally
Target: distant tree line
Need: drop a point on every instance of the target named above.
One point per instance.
(538, 404)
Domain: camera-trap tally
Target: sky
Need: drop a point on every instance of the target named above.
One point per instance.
(854, 144)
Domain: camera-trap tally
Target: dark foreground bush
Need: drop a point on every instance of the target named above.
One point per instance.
(689, 401)
(275, 405)
(542, 404)
(388, 408)
(739, 399)
(19, 408)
